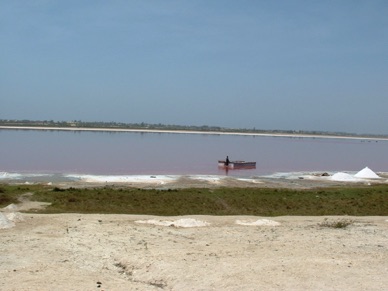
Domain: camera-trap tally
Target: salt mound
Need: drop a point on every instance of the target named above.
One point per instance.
(5, 222)
(184, 222)
(15, 216)
(162, 179)
(340, 176)
(367, 173)
(265, 222)
(189, 222)
(207, 178)
(11, 207)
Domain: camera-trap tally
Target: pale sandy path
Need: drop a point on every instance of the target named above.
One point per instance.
(74, 252)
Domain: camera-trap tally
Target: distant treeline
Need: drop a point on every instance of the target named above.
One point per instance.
(159, 126)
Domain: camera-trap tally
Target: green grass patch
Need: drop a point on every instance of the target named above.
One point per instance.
(371, 200)
(9, 193)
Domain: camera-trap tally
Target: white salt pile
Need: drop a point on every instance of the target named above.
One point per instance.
(259, 222)
(366, 173)
(9, 216)
(161, 179)
(184, 222)
(15, 216)
(5, 222)
(341, 176)
(249, 180)
(207, 178)
(10, 207)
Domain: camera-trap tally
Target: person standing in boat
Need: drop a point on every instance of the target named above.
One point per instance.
(227, 161)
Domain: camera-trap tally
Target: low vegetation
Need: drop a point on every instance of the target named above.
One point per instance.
(9, 194)
(372, 200)
(338, 223)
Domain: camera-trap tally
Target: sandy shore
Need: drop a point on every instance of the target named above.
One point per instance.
(288, 180)
(133, 252)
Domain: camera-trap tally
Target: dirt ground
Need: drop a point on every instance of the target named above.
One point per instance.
(133, 252)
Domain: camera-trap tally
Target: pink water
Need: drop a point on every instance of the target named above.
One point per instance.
(160, 153)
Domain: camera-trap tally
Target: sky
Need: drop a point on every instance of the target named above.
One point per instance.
(287, 65)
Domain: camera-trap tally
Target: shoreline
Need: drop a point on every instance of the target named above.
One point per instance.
(314, 136)
(291, 181)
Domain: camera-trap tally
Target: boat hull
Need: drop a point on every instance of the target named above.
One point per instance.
(234, 165)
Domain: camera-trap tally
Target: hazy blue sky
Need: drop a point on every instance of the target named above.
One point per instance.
(301, 65)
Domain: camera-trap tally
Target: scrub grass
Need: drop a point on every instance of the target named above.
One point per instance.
(354, 201)
(339, 223)
(9, 193)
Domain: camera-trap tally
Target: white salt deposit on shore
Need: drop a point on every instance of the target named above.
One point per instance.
(15, 216)
(10, 207)
(9, 215)
(191, 222)
(207, 178)
(249, 180)
(5, 222)
(367, 173)
(184, 222)
(345, 177)
(259, 222)
(160, 179)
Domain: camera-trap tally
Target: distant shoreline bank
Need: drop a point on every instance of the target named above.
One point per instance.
(289, 135)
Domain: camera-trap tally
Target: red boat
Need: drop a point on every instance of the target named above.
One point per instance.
(236, 165)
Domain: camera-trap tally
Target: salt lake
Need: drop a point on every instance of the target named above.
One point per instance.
(134, 153)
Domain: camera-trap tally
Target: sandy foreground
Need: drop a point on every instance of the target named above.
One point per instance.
(133, 252)
(117, 252)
